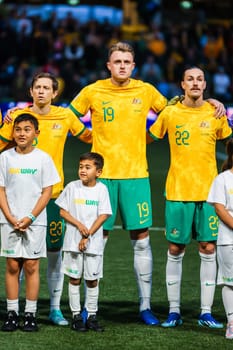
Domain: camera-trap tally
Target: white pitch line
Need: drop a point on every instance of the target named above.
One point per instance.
(151, 228)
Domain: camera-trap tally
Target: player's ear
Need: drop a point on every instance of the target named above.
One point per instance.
(55, 93)
(98, 172)
(108, 65)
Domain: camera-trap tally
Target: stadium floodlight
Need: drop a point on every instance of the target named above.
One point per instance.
(73, 2)
(186, 4)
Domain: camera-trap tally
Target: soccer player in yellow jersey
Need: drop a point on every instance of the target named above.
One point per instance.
(119, 107)
(55, 124)
(192, 132)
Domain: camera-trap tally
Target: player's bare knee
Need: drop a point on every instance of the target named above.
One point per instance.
(12, 270)
(139, 234)
(91, 284)
(31, 266)
(75, 281)
(207, 247)
(176, 249)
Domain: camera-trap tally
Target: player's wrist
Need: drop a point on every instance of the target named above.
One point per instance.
(32, 217)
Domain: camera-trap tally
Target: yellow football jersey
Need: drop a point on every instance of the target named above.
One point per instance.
(192, 135)
(54, 128)
(118, 116)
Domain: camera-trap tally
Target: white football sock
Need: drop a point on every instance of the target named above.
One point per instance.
(91, 302)
(208, 272)
(105, 239)
(227, 298)
(143, 270)
(55, 278)
(74, 298)
(31, 306)
(13, 305)
(173, 280)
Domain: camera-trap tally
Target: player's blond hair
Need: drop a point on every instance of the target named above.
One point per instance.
(121, 46)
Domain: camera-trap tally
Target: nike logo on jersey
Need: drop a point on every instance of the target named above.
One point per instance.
(105, 102)
(180, 126)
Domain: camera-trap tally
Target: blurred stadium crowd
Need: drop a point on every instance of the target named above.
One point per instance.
(76, 53)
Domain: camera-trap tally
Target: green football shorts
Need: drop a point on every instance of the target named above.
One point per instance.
(132, 197)
(187, 220)
(55, 227)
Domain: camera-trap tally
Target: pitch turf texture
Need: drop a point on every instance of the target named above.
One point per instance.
(118, 302)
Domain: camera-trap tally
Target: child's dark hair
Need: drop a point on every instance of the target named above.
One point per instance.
(96, 157)
(24, 117)
(228, 163)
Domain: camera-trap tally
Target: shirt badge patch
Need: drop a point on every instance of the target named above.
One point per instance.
(204, 124)
(56, 126)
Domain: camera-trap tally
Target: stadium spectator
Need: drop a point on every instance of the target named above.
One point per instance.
(222, 85)
(150, 71)
(173, 45)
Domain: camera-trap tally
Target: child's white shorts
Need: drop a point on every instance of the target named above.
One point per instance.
(30, 244)
(225, 264)
(77, 265)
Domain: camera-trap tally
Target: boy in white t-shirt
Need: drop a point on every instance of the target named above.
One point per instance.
(27, 176)
(85, 205)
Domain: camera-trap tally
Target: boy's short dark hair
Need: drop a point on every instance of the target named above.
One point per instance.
(24, 117)
(96, 157)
